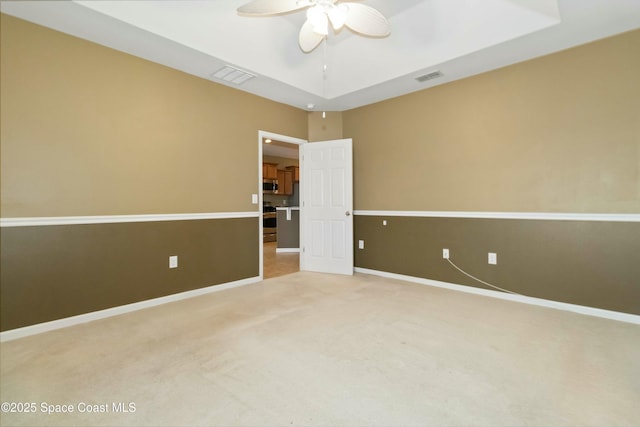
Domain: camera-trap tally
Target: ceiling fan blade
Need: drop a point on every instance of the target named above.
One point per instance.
(367, 20)
(308, 38)
(272, 7)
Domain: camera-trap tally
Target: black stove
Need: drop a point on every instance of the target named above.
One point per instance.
(269, 223)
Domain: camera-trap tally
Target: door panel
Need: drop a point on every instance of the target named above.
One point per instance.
(327, 241)
(317, 183)
(337, 238)
(317, 233)
(337, 188)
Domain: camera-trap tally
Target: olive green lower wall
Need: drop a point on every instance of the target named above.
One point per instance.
(588, 263)
(56, 271)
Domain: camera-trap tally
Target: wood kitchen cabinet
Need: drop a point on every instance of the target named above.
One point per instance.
(285, 182)
(295, 171)
(270, 171)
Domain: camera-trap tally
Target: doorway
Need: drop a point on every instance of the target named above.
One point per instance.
(279, 176)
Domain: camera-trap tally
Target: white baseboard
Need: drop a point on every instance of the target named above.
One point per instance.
(109, 312)
(589, 311)
(115, 311)
(287, 250)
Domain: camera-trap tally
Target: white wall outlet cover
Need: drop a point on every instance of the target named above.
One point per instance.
(493, 258)
(445, 253)
(360, 244)
(173, 261)
(384, 222)
(254, 199)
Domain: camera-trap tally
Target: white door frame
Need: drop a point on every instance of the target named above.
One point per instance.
(283, 138)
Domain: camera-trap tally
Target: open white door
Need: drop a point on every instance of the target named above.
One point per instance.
(327, 207)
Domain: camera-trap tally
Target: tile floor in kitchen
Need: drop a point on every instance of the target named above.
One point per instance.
(279, 264)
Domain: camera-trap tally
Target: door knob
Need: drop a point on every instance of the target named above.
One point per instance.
(347, 213)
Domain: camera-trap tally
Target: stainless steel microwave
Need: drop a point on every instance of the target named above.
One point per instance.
(270, 186)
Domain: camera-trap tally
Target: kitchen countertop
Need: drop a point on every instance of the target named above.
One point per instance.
(284, 208)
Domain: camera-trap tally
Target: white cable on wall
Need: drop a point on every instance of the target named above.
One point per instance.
(481, 281)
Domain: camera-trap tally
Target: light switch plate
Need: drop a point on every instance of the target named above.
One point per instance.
(173, 261)
(493, 258)
(360, 244)
(254, 199)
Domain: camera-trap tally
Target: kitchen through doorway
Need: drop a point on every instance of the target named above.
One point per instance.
(280, 207)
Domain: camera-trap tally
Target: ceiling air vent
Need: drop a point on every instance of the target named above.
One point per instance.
(430, 76)
(232, 75)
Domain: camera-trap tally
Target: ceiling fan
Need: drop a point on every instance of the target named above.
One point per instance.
(359, 18)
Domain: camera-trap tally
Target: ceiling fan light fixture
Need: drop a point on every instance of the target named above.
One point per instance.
(318, 19)
(358, 18)
(338, 16)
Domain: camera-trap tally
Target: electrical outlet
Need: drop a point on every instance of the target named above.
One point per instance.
(445, 253)
(384, 222)
(254, 199)
(173, 261)
(493, 258)
(360, 244)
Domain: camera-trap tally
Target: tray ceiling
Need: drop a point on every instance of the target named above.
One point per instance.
(459, 38)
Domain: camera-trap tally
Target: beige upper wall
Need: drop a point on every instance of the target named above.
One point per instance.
(87, 130)
(325, 129)
(559, 133)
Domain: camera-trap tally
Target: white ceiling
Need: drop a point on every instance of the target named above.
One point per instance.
(457, 37)
(280, 149)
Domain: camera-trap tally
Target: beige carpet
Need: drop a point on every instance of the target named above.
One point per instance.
(313, 349)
